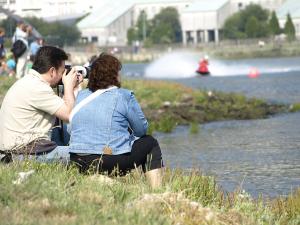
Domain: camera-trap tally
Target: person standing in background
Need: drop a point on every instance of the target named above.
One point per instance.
(22, 32)
(2, 49)
(35, 46)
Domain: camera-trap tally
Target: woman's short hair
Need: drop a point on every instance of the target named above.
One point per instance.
(104, 72)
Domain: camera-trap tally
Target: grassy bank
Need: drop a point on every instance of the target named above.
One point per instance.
(53, 194)
(168, 104)
(226, 49)
(5, 83)
(249, 53)
(251, 49)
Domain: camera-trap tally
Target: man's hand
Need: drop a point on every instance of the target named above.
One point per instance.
(70, 80)
(79, 85)
(79, 78)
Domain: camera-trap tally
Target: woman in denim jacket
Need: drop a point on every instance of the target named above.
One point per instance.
(108, 128)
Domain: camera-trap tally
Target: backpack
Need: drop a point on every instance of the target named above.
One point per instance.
(18, 48)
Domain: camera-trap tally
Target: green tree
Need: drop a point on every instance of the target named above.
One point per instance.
(9, 26)
(131, 35)
(143, 26)
(262, 15)
(252, 27)
(168, 19)
(274, 24)
(163, 28)
(289, 28)
(56, 33)
(162, 33)
(235, 26)
(141, 30)
(231, 27)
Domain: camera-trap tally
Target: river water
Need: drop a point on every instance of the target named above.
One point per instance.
(259, 156)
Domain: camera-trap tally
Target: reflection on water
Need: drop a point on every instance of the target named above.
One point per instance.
(262, 156)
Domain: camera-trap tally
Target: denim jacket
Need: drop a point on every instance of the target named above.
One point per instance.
(104, 122)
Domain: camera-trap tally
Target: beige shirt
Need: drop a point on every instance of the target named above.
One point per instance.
(27, 111)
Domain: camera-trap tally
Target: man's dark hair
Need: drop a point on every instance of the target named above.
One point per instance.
(47, 57)
(104, 72)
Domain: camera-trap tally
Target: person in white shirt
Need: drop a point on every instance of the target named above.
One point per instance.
(22, 32)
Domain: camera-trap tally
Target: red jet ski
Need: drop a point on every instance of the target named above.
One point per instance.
(203, 67)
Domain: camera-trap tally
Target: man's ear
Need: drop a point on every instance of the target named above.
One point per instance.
(52, 72)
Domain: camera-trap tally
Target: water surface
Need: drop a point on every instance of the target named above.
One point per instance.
(260, 156)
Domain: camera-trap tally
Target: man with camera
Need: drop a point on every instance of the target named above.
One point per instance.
(30, 106)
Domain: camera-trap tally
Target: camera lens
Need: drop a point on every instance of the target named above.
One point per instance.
(68, 68)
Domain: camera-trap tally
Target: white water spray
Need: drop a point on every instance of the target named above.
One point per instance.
(184, 65)
(173, 65)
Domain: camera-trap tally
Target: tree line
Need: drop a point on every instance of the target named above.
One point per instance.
(251, 22)
(256, 22)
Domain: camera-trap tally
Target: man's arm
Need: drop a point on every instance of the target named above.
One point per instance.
(64, 111)
(70, 82)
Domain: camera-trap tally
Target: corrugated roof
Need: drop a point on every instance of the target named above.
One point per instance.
(205, 5)
(105, 14)
(110, 10)
(160, 1)
(290, 6)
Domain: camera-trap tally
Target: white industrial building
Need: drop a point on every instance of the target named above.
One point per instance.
(201, 20)
(108, 24)
(49, 10)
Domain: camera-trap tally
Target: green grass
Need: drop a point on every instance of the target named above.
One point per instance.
(5, 83)
(54, 194)
(295, 107)
(194, 127)
(153, 94)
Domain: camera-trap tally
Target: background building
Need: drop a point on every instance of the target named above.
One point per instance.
(271, 5)
(108, 21)
(202, 20)
(49, 10)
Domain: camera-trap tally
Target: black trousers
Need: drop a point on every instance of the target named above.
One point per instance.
(145, 152)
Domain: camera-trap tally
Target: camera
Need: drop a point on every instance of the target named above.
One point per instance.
(83, 70)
